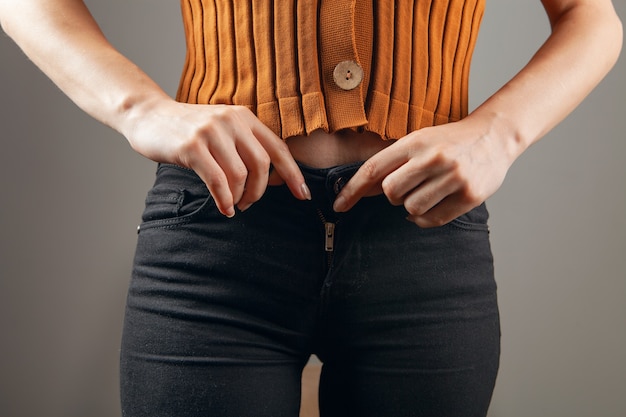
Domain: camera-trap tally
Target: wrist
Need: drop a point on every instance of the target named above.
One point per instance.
(133, 109)
(501, 130)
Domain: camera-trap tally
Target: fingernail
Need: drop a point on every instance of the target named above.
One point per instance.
(245, 207)
(305, 191)
(230, 213)
(339, 204)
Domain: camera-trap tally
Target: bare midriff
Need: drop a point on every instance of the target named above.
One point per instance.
(324, 150)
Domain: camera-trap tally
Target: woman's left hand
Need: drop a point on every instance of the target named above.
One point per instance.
(437, 173)
(441, 172)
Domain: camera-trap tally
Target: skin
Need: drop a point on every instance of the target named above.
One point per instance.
(437, 173)
(441, 172)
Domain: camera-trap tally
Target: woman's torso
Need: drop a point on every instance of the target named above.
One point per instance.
(279, 58)
(322, 150)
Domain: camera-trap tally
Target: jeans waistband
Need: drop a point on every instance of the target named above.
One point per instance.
(328, 182)
(324, 183)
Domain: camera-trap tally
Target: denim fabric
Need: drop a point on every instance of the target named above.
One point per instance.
(223, 314)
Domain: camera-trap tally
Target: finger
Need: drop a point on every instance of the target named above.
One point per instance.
(257, 162)
(282, 160)
(211, 173)
(367, 180)
(227, 157)
(428, 195)
(274, 178)
(398, 184)
(443, 213)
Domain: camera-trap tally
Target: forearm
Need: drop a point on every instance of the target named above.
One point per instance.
(227, 146)
(584, 44)
(64, 41)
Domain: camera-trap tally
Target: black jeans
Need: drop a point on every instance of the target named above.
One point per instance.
(223, 314)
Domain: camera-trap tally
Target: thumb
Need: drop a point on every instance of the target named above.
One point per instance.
(275, 178)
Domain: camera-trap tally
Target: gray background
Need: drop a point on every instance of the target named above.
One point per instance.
(71, 192)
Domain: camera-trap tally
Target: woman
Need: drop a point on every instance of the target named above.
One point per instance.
(231, 292)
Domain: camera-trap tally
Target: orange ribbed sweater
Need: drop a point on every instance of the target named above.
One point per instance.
(277, 57)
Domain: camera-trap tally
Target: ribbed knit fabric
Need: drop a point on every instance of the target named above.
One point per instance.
(277, 58)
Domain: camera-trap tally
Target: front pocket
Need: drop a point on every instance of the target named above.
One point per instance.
(176, 197)
(174, 209)
(162, 204)
(476, 219)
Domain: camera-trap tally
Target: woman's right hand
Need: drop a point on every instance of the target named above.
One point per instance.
(226, 145)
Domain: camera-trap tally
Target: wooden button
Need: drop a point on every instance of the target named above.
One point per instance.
(348, 75)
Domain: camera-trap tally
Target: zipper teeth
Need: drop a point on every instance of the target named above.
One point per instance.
(321, 216)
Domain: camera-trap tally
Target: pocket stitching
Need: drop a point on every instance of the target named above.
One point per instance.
(176, 221)
(467, 226)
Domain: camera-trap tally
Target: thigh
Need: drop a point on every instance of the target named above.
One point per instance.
(170, 367)
(219, 311)
(412, 328)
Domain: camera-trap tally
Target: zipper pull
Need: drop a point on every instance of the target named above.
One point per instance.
(330, 236)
